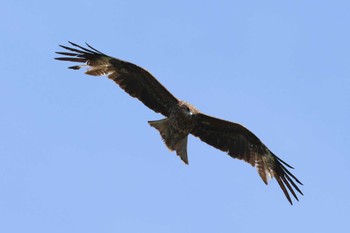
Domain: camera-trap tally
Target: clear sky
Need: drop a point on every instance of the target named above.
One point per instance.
(77, 154)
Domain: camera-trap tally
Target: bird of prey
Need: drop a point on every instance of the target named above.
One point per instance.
(182, 118)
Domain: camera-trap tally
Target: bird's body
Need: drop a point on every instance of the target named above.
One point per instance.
(176, 128)
(183, 118)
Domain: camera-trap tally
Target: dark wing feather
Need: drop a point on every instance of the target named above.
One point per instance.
(136, 81)
(242, 144)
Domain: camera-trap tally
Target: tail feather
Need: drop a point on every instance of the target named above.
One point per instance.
(172, 139)
(181, 149)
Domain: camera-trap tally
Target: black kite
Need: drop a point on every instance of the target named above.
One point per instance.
(183, 119)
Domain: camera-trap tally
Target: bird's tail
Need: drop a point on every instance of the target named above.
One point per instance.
(173, 139)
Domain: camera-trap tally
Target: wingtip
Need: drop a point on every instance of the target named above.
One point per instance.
(283, 162)
(74, 67)
(94, 48)
(72, 43)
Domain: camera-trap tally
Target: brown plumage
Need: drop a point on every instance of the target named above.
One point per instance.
(183, 119)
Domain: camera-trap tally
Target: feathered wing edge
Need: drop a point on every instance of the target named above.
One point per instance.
(134, 80)
(240, 143)
(285, 179)
(83, 55)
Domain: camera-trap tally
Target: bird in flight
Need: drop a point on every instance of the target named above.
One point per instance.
(182, 118)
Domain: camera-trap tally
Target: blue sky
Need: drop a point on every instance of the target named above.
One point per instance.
(77, 154)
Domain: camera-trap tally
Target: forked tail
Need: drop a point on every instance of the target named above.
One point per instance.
(173, 139)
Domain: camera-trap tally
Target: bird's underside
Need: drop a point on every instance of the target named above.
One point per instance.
(175, 129)
(183, 119)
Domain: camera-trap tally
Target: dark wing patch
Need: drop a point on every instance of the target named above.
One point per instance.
(242, 144)
(133, 79)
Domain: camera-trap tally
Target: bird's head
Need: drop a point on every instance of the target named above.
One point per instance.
(188, 109)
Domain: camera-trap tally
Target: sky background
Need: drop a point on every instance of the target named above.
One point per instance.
(77, 154)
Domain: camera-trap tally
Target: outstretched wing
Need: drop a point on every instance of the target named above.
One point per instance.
(134, 80)
(242, 144)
